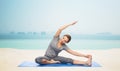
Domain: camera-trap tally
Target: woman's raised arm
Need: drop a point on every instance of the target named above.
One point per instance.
(64, 27)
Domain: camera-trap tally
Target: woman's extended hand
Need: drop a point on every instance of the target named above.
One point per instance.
(74, 22)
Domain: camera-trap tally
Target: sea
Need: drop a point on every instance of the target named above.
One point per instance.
(76, 44)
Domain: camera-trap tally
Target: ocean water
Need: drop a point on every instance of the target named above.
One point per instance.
(76, 44)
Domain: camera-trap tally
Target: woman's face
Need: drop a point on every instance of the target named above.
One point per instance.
(64, 39)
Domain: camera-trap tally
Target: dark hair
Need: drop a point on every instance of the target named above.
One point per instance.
(69, 37)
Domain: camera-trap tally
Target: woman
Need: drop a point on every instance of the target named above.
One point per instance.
(57, 45)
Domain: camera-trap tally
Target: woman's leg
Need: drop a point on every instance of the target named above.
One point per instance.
(88, 62)
(79, 62)
(63, 59)
(42, 60)
(45, 60)
(69, 60)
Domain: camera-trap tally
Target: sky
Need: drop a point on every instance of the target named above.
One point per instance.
(93, 16)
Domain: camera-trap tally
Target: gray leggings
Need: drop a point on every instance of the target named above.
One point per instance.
(57, 58)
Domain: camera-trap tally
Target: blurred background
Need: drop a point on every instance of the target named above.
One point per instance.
(31, 24)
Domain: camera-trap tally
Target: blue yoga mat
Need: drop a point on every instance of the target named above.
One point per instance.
(33, 64)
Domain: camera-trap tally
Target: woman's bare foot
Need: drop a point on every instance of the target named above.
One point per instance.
(53, 61)
(89, 62)
(45, 61)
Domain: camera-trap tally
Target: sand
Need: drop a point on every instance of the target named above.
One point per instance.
(10, 59)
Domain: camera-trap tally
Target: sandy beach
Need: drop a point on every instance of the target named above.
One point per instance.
(11, 58)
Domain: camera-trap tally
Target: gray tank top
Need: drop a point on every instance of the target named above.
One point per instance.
(52, 50)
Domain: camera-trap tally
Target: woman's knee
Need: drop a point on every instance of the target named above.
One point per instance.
(40, 60)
